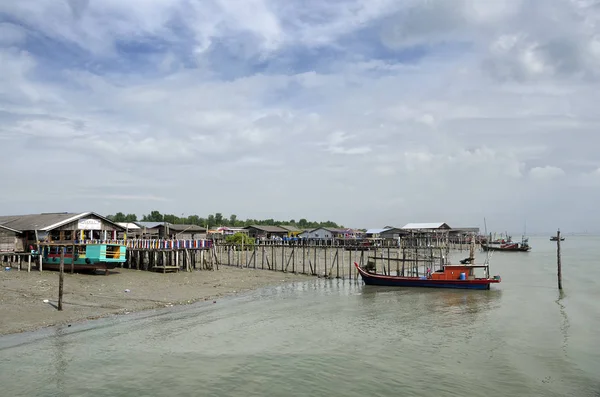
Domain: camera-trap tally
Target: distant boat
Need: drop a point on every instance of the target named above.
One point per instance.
(554, 238)
(507, 245)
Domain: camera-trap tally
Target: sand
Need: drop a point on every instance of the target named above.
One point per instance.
(87, 296)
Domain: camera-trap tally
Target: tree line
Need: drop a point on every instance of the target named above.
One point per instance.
(217, 219)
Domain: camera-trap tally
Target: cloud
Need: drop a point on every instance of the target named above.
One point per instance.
(546, 173)
(366, 112)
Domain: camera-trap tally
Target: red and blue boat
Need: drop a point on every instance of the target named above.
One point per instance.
(450, 276)
(507, 245)
(461, 276)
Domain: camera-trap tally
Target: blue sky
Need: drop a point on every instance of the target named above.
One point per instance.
(369, 113)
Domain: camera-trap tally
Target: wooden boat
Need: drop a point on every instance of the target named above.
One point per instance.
(451, 276)
(554, 238)
(507, 245)
(87, 256)
(447, 276)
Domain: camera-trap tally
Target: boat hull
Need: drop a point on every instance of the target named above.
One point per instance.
(398, 281)
(79, 266)
(506, 249)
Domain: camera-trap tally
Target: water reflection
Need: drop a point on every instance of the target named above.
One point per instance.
(564, 325)
(59, 344)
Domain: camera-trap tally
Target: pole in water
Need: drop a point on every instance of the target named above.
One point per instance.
(558, 264)
(61, 277)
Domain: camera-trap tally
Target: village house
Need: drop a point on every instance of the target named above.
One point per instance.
(258, 231)
(58, 227)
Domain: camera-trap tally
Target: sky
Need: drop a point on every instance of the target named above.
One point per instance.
(366, 112)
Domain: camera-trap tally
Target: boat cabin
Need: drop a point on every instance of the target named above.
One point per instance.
(456, 272)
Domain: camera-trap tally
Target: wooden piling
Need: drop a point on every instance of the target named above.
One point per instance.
(61, 277)
(558, 260)
(73, 260)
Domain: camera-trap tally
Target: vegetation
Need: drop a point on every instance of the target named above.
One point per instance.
(216, 220)
(241, 239)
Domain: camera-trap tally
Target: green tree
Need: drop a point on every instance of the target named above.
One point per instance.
(118, 217)
(154, 216)
(239, 239)
(232, 220)
(211, 221)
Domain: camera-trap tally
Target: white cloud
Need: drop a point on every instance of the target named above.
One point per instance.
(546, 173)
(305, 109)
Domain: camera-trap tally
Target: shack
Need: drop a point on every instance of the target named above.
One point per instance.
(178, 231)
(259, 231)
(61, 227)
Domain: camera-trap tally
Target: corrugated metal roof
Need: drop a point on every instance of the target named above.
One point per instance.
(9, 229)
(375, 231)
(37, 221)
(466, 229)
(45, 222)
(419, 226)
(149, 225)
(290, 228)
(268, 229)
(187, 228)
(128, 225)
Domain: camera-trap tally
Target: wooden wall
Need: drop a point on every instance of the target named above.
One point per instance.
(10, 241)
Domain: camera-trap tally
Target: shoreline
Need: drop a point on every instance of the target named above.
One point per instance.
(90, 297)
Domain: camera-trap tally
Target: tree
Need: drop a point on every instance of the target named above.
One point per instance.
(118, 217)
(211, 221)
(218, 219)
(232, 220)
(238, 238)
(154, 216)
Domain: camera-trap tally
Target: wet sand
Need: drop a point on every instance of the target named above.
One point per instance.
(87, 296)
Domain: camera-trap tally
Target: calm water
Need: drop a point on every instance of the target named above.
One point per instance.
(336, 338)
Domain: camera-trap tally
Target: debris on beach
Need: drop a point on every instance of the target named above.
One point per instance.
(127, 290)
(46, 301)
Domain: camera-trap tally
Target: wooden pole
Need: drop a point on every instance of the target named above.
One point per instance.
(558, 264)
(61, 277)
(73, 260)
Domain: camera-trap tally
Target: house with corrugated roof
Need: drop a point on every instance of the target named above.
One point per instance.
(292, 231)
(260, 231)
(61, 227)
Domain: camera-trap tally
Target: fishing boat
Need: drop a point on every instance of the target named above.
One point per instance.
(506, 244)
(461, 276)
(554, 238)
(87, 256)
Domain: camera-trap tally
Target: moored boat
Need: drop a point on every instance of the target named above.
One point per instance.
(87, 256)
(451, 276)
(554, 238)
(507, 245)
(460, 276)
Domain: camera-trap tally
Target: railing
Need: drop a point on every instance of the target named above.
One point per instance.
(143, 243)
(168, 244)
